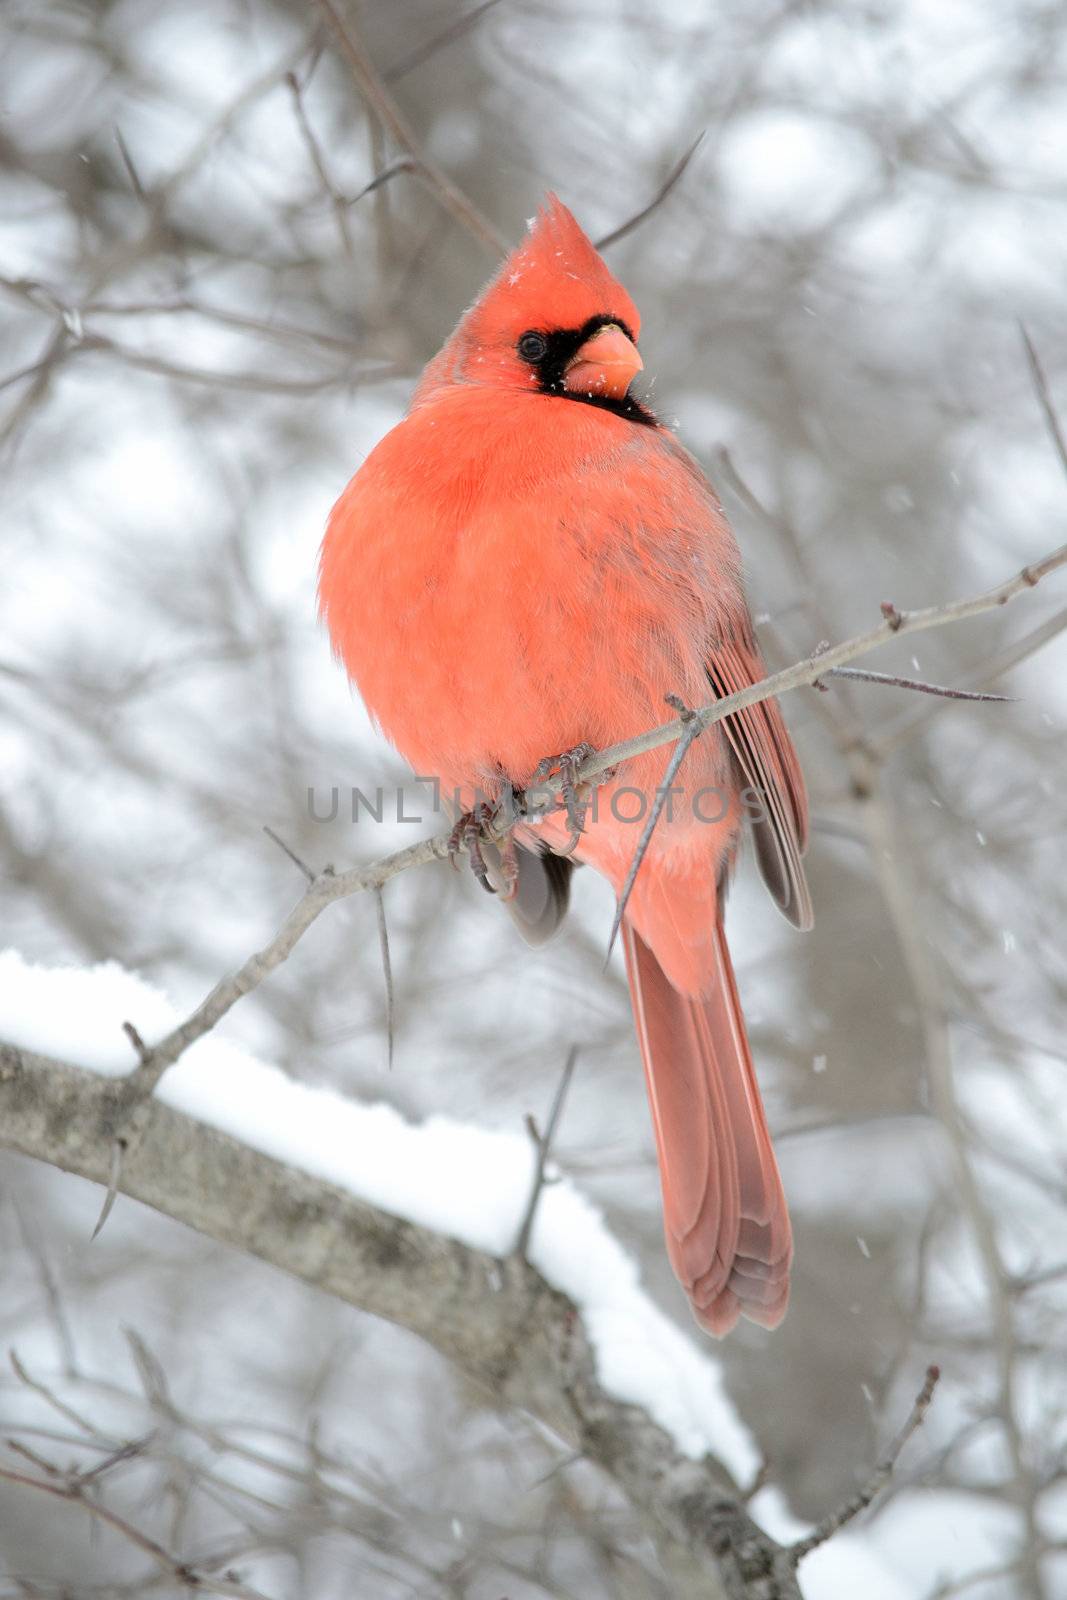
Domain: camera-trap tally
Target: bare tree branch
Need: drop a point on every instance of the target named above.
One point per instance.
(1044, 395)
(446, 36)
(692, 728)
(886, 740)
(894, 681)
(813, 667)
(498, 1321)
(385, 108)
(387, 973)
(72, 1487)
(878, 1479)
(331, 886)
(673, 178)
(901, 894)
(543, 1141)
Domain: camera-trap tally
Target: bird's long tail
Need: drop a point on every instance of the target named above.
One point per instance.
(724, 1211)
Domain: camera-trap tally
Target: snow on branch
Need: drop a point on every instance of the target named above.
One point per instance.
(418, 1225)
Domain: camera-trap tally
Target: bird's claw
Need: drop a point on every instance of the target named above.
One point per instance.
(509, 864)
(467, 835)
(567, 765)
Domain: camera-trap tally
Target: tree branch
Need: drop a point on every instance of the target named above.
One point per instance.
(330, 886)
(878, 1479)
(498, 1321)
(385, 108)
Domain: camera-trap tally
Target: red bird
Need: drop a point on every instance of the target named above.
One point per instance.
(529, 563)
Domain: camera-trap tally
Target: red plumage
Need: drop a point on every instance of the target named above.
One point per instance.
(527, 562)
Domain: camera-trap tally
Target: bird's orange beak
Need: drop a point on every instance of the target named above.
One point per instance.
(606, 363)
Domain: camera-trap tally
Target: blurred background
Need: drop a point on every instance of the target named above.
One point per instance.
(207, 317)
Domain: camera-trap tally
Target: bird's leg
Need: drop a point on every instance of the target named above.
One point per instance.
(509, 854)
(567, 765)
(467, 834)
(509, 865)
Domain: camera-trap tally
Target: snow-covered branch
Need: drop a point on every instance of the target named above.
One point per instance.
(416, 1224)
(497, 1319)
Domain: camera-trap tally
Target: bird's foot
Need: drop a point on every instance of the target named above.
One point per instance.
(567, 766)
(467, 835)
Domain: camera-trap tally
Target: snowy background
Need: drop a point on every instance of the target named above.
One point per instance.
(204, 326)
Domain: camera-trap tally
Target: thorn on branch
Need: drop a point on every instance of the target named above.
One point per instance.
(118, 1151)
(143, 1052)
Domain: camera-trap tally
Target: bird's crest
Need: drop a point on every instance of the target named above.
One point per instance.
(555, 279)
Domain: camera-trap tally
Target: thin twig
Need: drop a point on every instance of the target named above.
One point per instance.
(544, 1146)
(901, 892)
(876, 1482)
(865, 676)
(885, 740)
(51, 1288)
(393, 170)
(387, 972)
(125, 1452)
(42, 1389)
(692, 728)
(286, 850)
(318, 161)
(72, 1490)
(673, 178)
(127, 162)
(374, 91)
(1044, 395)
(423, 52)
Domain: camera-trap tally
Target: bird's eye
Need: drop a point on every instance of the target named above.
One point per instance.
(532, 346)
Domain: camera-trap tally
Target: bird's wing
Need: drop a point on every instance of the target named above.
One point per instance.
(765, 755)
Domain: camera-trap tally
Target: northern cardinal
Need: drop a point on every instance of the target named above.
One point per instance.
(528, 564)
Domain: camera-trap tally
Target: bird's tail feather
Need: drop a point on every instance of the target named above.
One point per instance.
(724, 1210)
